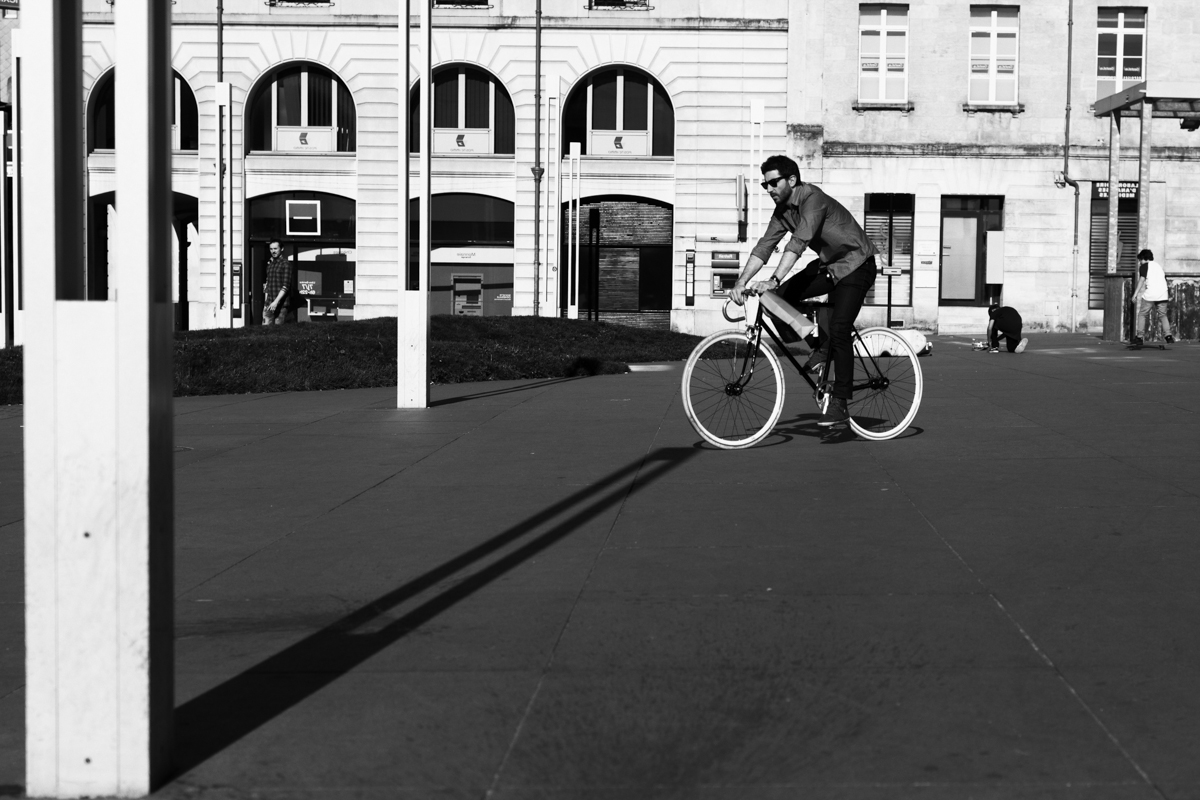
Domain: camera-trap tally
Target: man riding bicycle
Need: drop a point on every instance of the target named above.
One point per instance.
(845, 269)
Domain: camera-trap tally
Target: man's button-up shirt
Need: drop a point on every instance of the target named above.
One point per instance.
(279, 276)
(817, 221)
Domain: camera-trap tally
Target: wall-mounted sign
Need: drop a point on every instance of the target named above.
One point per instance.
(472, 255)
(294, 140)
(235, 291)
(303, 217)
(462, 141)
(619, 143)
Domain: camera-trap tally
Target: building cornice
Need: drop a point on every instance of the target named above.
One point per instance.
(837, 149)
(466, 19)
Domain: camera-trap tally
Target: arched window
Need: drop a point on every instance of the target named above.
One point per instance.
(472, 114)
(301, 108)
(620, 112)
(101, 115)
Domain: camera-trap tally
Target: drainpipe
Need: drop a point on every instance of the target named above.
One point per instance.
(221, 300)
(537, 158)
(1065, 177)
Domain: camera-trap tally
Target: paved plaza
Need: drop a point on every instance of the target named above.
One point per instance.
(551, 590)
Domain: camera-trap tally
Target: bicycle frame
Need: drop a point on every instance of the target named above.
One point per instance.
(875, 378)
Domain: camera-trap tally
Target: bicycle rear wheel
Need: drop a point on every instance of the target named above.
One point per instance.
(887, 384)
(732, 395)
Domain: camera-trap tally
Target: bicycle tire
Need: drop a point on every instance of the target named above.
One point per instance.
(888, 384)
(725, 414)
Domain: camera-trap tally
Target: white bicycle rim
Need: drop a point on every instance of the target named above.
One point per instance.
(766, 358)
(878, 341)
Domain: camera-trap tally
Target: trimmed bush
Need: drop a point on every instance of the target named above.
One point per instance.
(360, 354)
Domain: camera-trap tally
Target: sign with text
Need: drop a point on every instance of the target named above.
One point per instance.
(462, 141)
(619, 143)
(300, 140)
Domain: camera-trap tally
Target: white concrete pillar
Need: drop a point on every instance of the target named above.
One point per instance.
(1144, 159)
(412, 353)
(1114, 188)
(98, 426)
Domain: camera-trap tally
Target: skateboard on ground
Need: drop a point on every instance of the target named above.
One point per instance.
(1159, 345)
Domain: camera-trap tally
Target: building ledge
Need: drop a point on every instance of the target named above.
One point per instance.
(1010, 108)
(903, 108)
(326, 163)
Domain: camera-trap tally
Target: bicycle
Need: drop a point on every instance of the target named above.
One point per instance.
(734, 387)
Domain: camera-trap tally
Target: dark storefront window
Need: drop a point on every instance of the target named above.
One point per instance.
(889, 224)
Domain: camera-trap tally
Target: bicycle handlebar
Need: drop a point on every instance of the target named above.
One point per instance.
(725, 311)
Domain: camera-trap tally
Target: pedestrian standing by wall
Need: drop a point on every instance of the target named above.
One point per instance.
(278, 285)
(1005, 322)
(1150, 296)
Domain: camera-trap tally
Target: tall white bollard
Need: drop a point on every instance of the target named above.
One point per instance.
(98, 426)
(412, 312)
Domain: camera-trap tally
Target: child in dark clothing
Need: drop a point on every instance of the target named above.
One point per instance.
(1005, 322)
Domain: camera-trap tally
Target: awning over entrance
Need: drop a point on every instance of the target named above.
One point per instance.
(1146, 101)
(1172, 99)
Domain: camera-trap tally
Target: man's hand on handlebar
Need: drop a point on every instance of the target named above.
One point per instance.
(740, 291)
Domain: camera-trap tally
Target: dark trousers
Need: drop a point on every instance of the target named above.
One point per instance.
(847, 297)
(1011, 340)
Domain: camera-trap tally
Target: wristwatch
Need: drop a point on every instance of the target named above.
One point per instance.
(776, 279)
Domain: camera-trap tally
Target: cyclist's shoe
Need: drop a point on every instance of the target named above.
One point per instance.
(1170, 339)
(835, 413)
(993, 349)
(1021, 346)
(816, 361)
(1138, 341)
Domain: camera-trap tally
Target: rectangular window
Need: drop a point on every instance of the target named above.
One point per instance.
(604, 102)
(1127, 236)
(889, 225)
(287, 109)
(320, 100)
(1120, 49)
(445, 99)
(635, 105)
(993, 64)
(478, 110)
(883, 54)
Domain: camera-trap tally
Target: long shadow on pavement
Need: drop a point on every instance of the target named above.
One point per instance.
(221, 716)
(495, 392)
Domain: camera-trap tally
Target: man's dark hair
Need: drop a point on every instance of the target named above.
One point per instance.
(783, 165)
(275, 241)
(1145, 255)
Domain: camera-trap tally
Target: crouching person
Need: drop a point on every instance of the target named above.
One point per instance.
(1005, 323)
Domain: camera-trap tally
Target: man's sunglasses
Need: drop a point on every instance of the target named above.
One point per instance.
(772, 183)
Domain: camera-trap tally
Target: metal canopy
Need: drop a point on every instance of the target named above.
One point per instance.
(1171, 99)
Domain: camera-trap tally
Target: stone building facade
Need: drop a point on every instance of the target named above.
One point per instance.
(939, 123)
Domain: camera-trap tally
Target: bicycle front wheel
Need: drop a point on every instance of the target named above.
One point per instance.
(732, 391)
(887, 384)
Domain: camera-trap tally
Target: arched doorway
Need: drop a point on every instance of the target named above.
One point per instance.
(102, 206)
(102, 225)
(624, 272)
(317, 231)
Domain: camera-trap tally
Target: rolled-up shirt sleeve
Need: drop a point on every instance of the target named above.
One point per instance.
(808, 226)
(766, 245)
